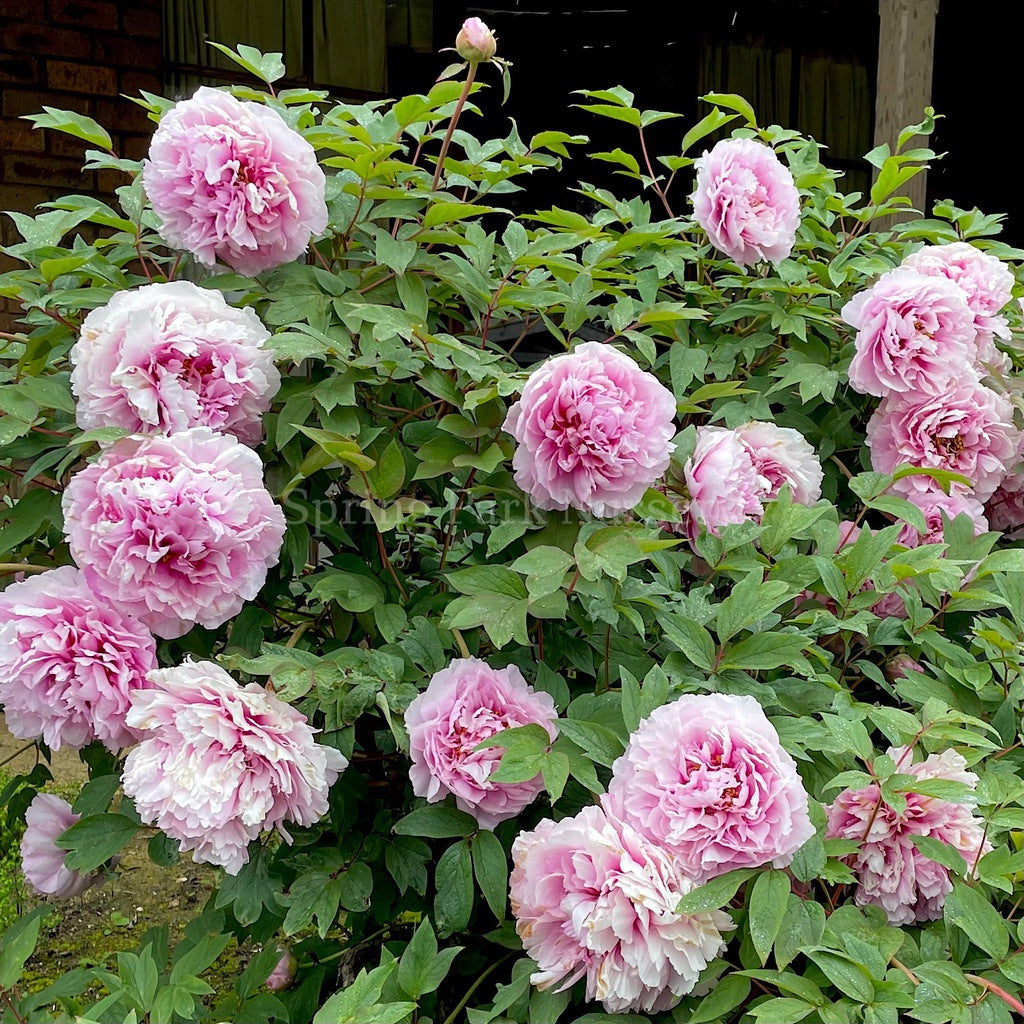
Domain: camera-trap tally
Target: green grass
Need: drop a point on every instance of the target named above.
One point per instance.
(10, 867)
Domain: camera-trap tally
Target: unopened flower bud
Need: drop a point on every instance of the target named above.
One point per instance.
(475, 41)
(900, 666)
(283, 974)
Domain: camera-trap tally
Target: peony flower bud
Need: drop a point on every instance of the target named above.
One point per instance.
(475, 41)
(282, 976)
(900, 666)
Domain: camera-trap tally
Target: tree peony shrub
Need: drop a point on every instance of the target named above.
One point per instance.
(655, 568)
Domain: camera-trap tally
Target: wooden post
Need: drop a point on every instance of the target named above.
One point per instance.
(906, 48)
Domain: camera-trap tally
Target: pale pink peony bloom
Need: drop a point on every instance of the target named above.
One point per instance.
(231, 181)
(968, 429)
(463, 705)
(594, 431)
(746, 201)
(595, 898)
(174, 530)
(166, 357)
(283, 974)
(219, 763)
(475, 41)
(723, 484)
(986, 282)
(69, 662)
(891, 871)
(707, 778)
(935, 505)
(42, 860)
(780, 456)
(1005, 508)
(914, 334)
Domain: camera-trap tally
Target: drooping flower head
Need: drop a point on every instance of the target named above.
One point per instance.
(69, 662)
(174, 530)
(746, 201)
(283, 974)
(723, 485)
(595, 898)
(891, 871)
(42, 860)
(219, 763)
(463, 705)
(594, 431)
(1005, 508)
(914, 334)
(986, 282)
(968, 429)
(166, 357)
(782, 456)
(707, 778)
(231, 181)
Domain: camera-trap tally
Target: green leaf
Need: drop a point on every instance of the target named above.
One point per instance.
(360, 1003)
(545, 568)
(714, 894)
(767, 904)
(803, 925)
(490, 867)
(71, 123)
(727, 993)
(750, 601)
(17, 944)
(845, 973)
(421, 968)
(942, 853)
(731, 101)
(267, 67)
(453, 879)
(689, 637)
(95, 839)
(96, 795)
(763, 651)
(446, 213)
(974, 915)
(437, 821)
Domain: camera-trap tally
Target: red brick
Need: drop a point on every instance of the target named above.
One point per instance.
(24, 198)
(35, 38)
(67, 146)
(22, 101)
(123, 115)
(92, 14)
(48, 172)
(19, 69)
(81, 78)
(147, 24)
(134, 147)
(133, 82)
(121, 51)
(20, 137)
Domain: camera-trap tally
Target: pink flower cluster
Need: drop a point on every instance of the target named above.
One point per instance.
(174, 530)
(69, 662)
(746, 201)
(594, 431)
(891, 871)
(703, 787)
(42, 860)
(733, 473)
(925, 339)
(463, 705)
(595, 898)
(166, 357)
(231, 181)
(219, 763)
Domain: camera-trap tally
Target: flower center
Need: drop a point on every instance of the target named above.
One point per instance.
(951, 447)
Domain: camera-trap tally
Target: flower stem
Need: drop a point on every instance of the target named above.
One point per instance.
(6, 568)
(467, 86)
(481, 978)
(992, 987)
(461, 641)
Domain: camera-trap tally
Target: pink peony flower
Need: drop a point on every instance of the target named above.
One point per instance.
(42, 860)
(900, 666)
(594, 431)
(935, 505)
(914, 334)
(986, 282)
(968, 429)
(746, 201)
(219, 763)
(69, 662)
(283, 974)
(891, 871)
(1005, 507)
(231, 181)
(174, 530)
(166, 357)
(781, 456)
(595, 898)
(724, 486)
(475, 41)
(463, 705)
(707, 778)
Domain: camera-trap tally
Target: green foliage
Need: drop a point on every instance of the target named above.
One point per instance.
(404, 339)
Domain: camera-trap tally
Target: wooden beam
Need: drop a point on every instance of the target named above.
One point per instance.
(906, 49)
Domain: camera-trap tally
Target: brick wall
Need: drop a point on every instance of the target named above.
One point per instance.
(77, 55)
